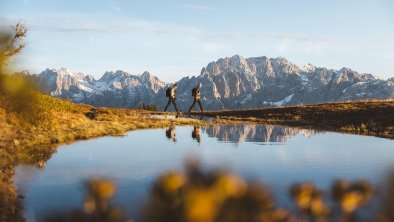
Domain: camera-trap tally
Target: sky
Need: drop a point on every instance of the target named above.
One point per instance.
(174, 38)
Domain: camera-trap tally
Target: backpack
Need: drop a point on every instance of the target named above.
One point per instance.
(194, 91)
(168, 92)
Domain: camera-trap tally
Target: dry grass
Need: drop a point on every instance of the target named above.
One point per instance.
(65, 122)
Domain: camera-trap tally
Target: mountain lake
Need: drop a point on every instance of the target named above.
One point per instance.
(276, 155)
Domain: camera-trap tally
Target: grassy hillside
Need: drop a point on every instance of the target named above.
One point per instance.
(53, 121)
(364, 117)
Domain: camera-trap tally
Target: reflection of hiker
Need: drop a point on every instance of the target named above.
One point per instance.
(170, 93)
(196, 97)
(196, 134)
(170, 133)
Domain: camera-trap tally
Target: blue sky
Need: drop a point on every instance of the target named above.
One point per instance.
(172, 39)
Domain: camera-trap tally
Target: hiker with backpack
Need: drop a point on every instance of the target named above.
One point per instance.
(170, 93)
(196, 97)
(170, 133)
(196, 134)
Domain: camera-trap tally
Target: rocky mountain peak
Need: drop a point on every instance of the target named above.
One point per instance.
(89, 78)
(110, 75)
(282, 65)
(151, 81)
(308, 68)
(146, 75)
(237, 61)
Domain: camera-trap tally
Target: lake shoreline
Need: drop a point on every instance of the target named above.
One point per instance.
(371, 118)
(80, 122)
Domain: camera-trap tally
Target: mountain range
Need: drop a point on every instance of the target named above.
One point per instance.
(229, 83)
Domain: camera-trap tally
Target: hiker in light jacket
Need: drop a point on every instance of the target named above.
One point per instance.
(196, 97)
(170, 93)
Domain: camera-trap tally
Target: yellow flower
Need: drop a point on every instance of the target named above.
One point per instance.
(173, 181)
(89, 206)
(351, 201)
(318, 207)
(104, 189)
(201, 206)
(303, 200)
(230, 186)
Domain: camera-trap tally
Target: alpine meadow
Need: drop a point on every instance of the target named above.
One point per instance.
(198, 111)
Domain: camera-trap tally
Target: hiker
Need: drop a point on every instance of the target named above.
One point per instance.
(170, 134)
(196, 97)
(196, 134)
(170, 93)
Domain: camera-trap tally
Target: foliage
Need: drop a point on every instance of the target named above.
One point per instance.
(15, 96)
(386, 213)
(96, 207)
(350, 197)
(196, 195)
(11, 43)
(309, 200)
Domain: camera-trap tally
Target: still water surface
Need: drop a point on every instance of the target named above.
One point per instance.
(276, 155)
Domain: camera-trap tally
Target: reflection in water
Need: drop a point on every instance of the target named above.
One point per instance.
(196, 134)
(254, 133)
(321, 159)
(170, 133)
(10, 196)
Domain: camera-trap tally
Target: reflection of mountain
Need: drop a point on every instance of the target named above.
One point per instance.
(255, 133)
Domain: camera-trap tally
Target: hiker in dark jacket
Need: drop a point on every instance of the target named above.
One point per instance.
(170, 133)
(196, 134)
(196, 97)
(170, 93)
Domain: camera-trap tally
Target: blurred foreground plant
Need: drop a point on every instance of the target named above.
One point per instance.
(10, 91)
(96, 207)
(386, 211)
(20, 100)
(310, 200)
(16, 91)
(196, 195)
(351, 196)
(11, 43)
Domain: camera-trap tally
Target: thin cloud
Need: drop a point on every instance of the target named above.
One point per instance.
(213, 43)
(67, 24)
(115, 7)
(284, 46)
(197, 7)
